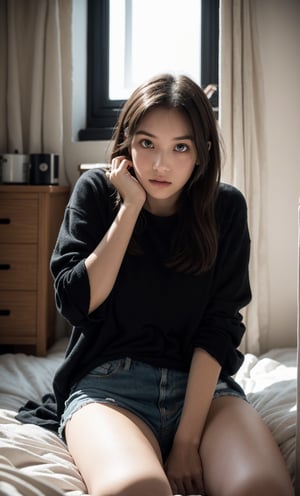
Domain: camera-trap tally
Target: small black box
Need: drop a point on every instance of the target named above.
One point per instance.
(44, 168)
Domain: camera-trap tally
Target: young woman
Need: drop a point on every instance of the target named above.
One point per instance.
(151, 269)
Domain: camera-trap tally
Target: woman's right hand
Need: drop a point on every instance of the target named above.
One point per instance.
(128, 186)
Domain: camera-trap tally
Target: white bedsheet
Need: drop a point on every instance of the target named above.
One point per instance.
(269, 381)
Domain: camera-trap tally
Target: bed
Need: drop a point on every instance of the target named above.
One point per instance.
(35, 462)
(35, 459)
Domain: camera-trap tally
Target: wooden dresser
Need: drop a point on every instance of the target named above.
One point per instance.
(30, 217)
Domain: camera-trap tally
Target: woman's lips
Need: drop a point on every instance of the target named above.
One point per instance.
(159, 182)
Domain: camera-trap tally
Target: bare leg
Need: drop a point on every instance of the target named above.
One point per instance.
(239, 454)
(116, 453)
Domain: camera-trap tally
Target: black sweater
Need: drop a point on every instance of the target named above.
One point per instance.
(153, 314)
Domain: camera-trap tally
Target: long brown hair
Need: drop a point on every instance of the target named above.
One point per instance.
(197, 242)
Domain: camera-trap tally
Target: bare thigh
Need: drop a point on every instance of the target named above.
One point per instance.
(116, 452)
(239, 454)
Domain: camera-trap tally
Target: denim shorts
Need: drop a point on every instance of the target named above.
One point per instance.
(156, 395)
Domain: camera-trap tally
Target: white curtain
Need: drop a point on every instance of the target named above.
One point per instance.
(242, 128)
(31, 77)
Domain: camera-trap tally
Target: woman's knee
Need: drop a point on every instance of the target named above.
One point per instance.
(240, 456)
(257, 485)
(148, 486)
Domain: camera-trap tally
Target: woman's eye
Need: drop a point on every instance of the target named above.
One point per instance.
(181, 147)
(147, 143)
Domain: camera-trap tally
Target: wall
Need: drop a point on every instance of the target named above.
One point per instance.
(278, 30)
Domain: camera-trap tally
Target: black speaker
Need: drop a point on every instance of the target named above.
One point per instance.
(44, 168)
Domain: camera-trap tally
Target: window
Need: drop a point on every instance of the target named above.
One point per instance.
(113, 55)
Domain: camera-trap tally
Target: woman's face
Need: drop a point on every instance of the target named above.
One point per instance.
(163, 154)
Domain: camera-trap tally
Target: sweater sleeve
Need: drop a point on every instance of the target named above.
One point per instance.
(222, 328)
(87, 218)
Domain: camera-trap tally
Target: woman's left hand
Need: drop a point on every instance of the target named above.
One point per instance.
(184, 469)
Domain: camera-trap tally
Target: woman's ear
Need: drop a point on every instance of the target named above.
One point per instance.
(209, 145)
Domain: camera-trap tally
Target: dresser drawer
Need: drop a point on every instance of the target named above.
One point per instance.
(30, 218)
(18, 221)
(17, 313)
(18, 267)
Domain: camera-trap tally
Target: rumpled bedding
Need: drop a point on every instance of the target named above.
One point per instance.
(33, 459)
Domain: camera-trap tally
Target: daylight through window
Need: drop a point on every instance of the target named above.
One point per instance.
(147, 38)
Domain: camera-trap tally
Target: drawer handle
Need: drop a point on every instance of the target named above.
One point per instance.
(4, 313)
(4, 220)
(4, 266)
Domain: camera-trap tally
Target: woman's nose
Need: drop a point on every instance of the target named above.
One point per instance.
(161, 162)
